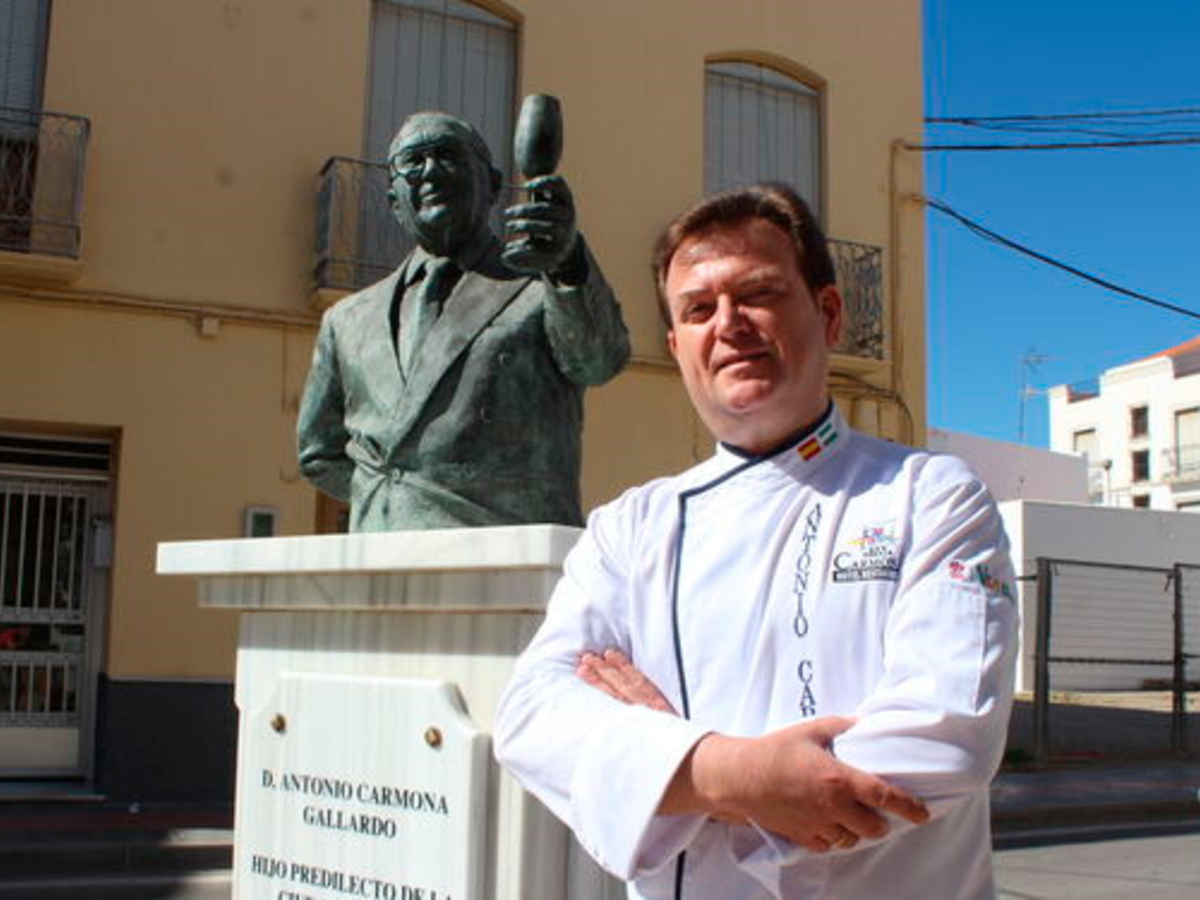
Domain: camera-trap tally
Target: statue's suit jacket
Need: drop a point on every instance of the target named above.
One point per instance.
(485, 429)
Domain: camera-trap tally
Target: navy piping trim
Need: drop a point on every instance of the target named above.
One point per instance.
(679, 862)
(679, 671)
(684, 496)
(683, 688)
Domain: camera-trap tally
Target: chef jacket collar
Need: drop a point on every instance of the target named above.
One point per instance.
(796, 440)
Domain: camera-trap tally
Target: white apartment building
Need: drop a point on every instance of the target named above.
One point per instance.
(1139, 427)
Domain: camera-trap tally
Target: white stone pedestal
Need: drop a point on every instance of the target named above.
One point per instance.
(368, 673)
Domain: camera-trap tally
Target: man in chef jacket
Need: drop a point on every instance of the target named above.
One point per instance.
(786, 672)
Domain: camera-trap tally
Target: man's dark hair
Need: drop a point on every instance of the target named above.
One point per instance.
(774, 202)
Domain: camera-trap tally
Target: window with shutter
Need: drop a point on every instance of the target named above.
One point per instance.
(442, 55)
(22, 45)
(761, 125)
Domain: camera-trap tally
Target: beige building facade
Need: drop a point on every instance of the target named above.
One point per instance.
(187, 185)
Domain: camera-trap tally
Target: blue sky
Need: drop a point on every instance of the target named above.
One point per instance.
(1130, 216)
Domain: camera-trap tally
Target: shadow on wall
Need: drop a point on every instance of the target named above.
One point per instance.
(1081, 730)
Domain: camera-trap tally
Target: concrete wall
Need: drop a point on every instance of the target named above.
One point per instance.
(1015, 471)
(187, 332)
(1103, 610)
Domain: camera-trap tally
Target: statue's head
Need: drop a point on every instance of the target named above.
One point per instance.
(443, 183)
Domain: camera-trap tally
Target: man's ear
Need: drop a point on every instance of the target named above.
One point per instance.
(392, 198)
(830, 306)
(671, 344)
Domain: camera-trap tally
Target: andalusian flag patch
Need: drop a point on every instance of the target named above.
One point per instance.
(825, 436)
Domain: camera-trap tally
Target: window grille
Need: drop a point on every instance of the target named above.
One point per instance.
(44, 542)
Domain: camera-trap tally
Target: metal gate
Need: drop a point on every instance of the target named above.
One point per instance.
(1116, 657)
(49, 604)
(1187, 624)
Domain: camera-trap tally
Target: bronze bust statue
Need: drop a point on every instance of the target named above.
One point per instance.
(451, 392)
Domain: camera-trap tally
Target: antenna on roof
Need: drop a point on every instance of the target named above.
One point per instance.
(1030, 361)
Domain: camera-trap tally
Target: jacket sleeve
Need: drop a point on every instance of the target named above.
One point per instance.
(937, 720)
(584, 327)
(321, 435)
(601, 766)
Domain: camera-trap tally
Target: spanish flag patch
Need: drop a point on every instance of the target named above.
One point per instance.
(825, 436)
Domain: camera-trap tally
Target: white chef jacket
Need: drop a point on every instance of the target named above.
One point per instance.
(841, 575)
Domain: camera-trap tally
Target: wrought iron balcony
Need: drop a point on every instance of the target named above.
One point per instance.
(42, 158)
(860, 277)
(1182, 463)
(359, 242)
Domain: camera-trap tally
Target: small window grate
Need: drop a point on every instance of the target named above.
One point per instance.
(24, 453)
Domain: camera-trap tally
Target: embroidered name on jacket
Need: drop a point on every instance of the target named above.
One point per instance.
(803, 567)
(870, 557)
(804, 671)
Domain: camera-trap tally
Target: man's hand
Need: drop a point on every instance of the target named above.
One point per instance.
(786, 781)
(540, 234)
(613, 673)
(789, 782)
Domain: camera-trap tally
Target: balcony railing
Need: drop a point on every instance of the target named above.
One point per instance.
(42, 158)
(358, 240)
(1182, 463)
(358, 243)
(860, 277)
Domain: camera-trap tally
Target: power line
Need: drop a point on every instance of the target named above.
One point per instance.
(1120, 114)
(987, 234)
(1110, 131)
(1174, 126)
(1060, 145)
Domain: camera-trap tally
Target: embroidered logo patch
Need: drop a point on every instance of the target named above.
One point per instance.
(996, 587)
(825, 436)
(870, 557)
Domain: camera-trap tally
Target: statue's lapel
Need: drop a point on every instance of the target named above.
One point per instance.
(475, 302)
(377, 351)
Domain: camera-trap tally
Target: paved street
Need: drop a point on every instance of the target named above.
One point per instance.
(1147, 868)
(183, 886)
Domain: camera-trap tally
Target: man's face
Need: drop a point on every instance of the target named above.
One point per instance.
(751, 341)
(441, 189)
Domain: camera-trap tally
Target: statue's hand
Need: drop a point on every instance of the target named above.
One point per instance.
(540, 234)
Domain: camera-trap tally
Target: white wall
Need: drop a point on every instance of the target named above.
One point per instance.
(1103, 612)
(1015, 471)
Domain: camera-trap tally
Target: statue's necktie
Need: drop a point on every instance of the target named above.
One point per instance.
(426, 305)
